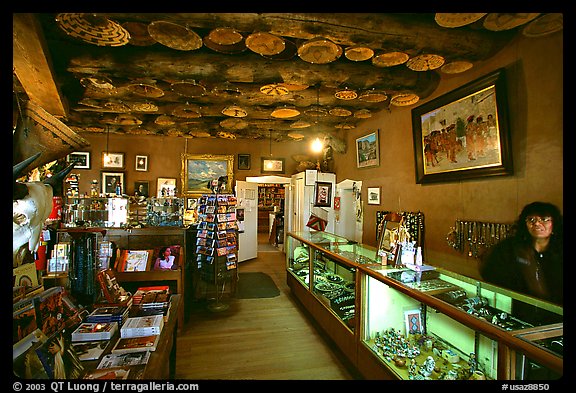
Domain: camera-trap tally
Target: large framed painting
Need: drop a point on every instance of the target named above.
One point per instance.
(207, 174)
(81, 158)
(464, 134)
(367, 150)
(111, 181)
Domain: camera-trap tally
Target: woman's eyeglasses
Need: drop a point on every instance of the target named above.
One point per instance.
(535, 220)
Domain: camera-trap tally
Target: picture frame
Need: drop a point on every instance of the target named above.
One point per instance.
(243, 162)
(165, 187)
(81, 158)
(109, 182)
(141, 164)
(142, 188)
(323, 194)
(413, 322)
(473, 121)
(373, 195)
(112, 160)
(272, 165)
(368, 150)
(207, 174)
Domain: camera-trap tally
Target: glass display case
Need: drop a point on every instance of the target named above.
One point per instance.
(421, 322)
(82, 211)
(165, 211)
(459, 322)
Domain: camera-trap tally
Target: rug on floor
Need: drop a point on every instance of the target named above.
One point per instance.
(254, 285)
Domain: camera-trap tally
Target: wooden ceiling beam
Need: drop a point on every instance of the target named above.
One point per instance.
(32, 67)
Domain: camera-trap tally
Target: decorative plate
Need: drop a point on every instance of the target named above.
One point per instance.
(340, 112)
(143, 107)
(458, 19)
(373, 96)
(425, 62)
(274, 90)
(164, 120)
(291, 86)
(346, 94)
(316, 111)
(225, 36)
(285, 112)
(390, 59)
(296, 136)
(335, 278)
(326, 286)
(146, 90)
(546, 24)
(404, 99)
(188, 89)
(456, 67)
(358, 53)
(139, 35)
(319, 51)
(345, 126)
(200, 134)
(225, 135)
(363, 114)
(289, 51)
(505, 21)
(174, 36)
(300, 124)
(93, 29)
(265, 43)
(227, 49)
(97, 82)
(234, 111)
(187, 111)
(234, 124)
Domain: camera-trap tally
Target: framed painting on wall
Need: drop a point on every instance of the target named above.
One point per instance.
(111, 181)
(271, 165)
(367, 150)
(207, 173)
(142, 163)
(323, 194)
(464, 134)
(243, 161)
(112, 160)
(373, 195)
(81, 158)
(165, 187)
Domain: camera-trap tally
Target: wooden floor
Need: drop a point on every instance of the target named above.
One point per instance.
(258, 339)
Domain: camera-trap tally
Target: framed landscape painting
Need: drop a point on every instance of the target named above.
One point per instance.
(207, 173)
(367, 151)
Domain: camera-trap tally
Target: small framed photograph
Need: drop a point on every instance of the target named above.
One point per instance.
(243, 161)
(367, 151)
(373, 195)
(81, 158)
(142, 163)
(323, 194)
(142, 188)
(270, 165)
(111, 181)
(166, 187)
(113, 160)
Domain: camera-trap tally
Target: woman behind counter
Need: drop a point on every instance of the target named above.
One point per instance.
(530, 261)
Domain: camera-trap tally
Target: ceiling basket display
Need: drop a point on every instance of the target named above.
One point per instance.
(93, 29)
(319, 51)
(174, 36)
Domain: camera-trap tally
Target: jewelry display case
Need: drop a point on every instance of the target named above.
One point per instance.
(427, 323)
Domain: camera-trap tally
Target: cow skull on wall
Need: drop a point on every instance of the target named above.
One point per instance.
(31, 206)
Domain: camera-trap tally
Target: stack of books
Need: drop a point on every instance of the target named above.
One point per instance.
(117, 314)
(151, 301)
(92, 331)
(139, 334)
(151, 293)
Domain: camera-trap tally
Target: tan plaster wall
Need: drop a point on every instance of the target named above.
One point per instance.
(534, 69)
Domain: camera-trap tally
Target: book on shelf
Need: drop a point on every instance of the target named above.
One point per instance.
(25, 361)
(136, 344)
(108, 373)
(24, 320)
(142, 291)
(142, 326)
(50, 309)
(124, 359)
(66, 365)
(90, 350)
(126, 301)
(91, 331)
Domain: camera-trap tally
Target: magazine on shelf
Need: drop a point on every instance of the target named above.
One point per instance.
(142, 326)
(136, 344)
(124, 359)
(90, 350)
(135, 260)
(91, 331)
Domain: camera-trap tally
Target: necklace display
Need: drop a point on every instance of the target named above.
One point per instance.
(412, 221)
(474, 237)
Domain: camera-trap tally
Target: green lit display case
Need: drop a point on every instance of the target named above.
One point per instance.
(470, 329)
